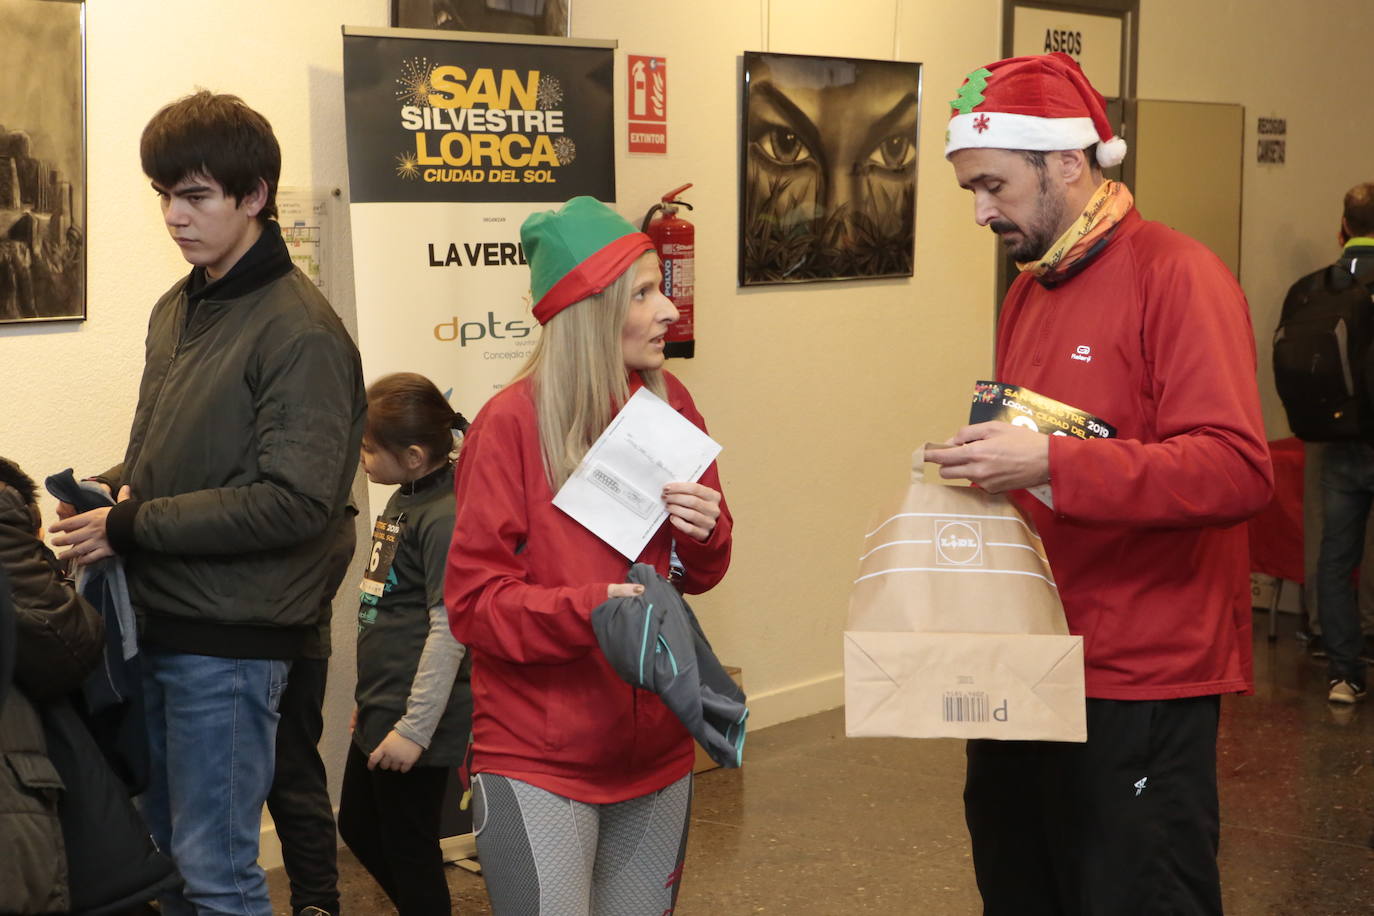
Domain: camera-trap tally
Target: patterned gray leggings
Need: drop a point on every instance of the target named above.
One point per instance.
(546, 855)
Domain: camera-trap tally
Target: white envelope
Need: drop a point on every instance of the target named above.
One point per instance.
(616, 492)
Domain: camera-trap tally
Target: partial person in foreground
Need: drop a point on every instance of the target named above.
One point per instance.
(414, 704)
(1146, 329)
(73, 841)
(583, 782)
(233, 488)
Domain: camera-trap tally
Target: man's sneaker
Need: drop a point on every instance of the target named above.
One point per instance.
(1345, 692)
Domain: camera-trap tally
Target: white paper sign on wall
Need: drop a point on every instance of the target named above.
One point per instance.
(1273, 141)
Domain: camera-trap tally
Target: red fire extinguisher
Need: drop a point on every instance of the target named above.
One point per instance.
(676, 241)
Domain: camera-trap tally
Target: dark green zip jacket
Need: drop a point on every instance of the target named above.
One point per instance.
(243, 449)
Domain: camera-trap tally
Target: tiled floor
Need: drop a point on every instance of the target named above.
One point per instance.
(819, 824)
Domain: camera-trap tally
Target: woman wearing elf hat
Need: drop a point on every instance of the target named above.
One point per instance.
(583, 782)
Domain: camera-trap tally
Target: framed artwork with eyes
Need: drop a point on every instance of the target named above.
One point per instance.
(827, 168)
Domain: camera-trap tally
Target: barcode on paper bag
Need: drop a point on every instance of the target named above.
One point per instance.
(962, 706)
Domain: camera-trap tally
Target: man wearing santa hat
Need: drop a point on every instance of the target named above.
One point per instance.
(1144, 328)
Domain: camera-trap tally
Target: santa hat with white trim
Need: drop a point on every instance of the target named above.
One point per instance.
(1042, 102)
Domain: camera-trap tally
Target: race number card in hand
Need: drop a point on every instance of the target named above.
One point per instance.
(1023, 407)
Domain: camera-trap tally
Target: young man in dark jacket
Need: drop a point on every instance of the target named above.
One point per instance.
(232, 489)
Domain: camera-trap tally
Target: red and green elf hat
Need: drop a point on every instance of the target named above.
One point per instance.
(1042, 102)
(576, 251)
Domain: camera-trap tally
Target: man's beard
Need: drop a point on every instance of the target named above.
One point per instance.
(1039, 234)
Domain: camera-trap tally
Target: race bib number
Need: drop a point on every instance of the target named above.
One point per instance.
(386, 537)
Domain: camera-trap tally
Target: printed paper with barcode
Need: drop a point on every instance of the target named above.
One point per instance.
(616, 492)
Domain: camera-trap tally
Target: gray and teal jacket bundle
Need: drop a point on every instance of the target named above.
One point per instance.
(654, 642)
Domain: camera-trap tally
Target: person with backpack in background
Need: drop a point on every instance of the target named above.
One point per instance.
(1322, 373)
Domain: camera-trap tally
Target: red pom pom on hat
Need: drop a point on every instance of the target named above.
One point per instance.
(1041, 102)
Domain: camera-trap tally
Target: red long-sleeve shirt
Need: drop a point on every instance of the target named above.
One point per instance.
(1145, 538)
(522, 581)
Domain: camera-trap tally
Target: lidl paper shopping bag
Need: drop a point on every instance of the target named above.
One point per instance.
(955, 626)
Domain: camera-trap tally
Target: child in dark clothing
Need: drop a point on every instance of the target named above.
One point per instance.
(414, 704)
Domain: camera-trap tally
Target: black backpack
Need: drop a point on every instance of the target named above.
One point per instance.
(1322, 357)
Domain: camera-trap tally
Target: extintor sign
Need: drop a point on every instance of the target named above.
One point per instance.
(647, 103)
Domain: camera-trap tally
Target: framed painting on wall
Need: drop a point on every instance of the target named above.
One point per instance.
(827, 168)
(42, 161)
(521, 17)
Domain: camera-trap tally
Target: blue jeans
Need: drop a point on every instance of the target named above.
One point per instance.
(1347, 492)
(212, 727)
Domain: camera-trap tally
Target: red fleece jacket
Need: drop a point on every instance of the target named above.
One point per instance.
(1145, 538)
(521, 584)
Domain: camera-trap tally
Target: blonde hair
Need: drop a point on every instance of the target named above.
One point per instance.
(578, 375)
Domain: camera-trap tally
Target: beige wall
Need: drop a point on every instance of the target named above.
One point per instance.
(818, 392)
